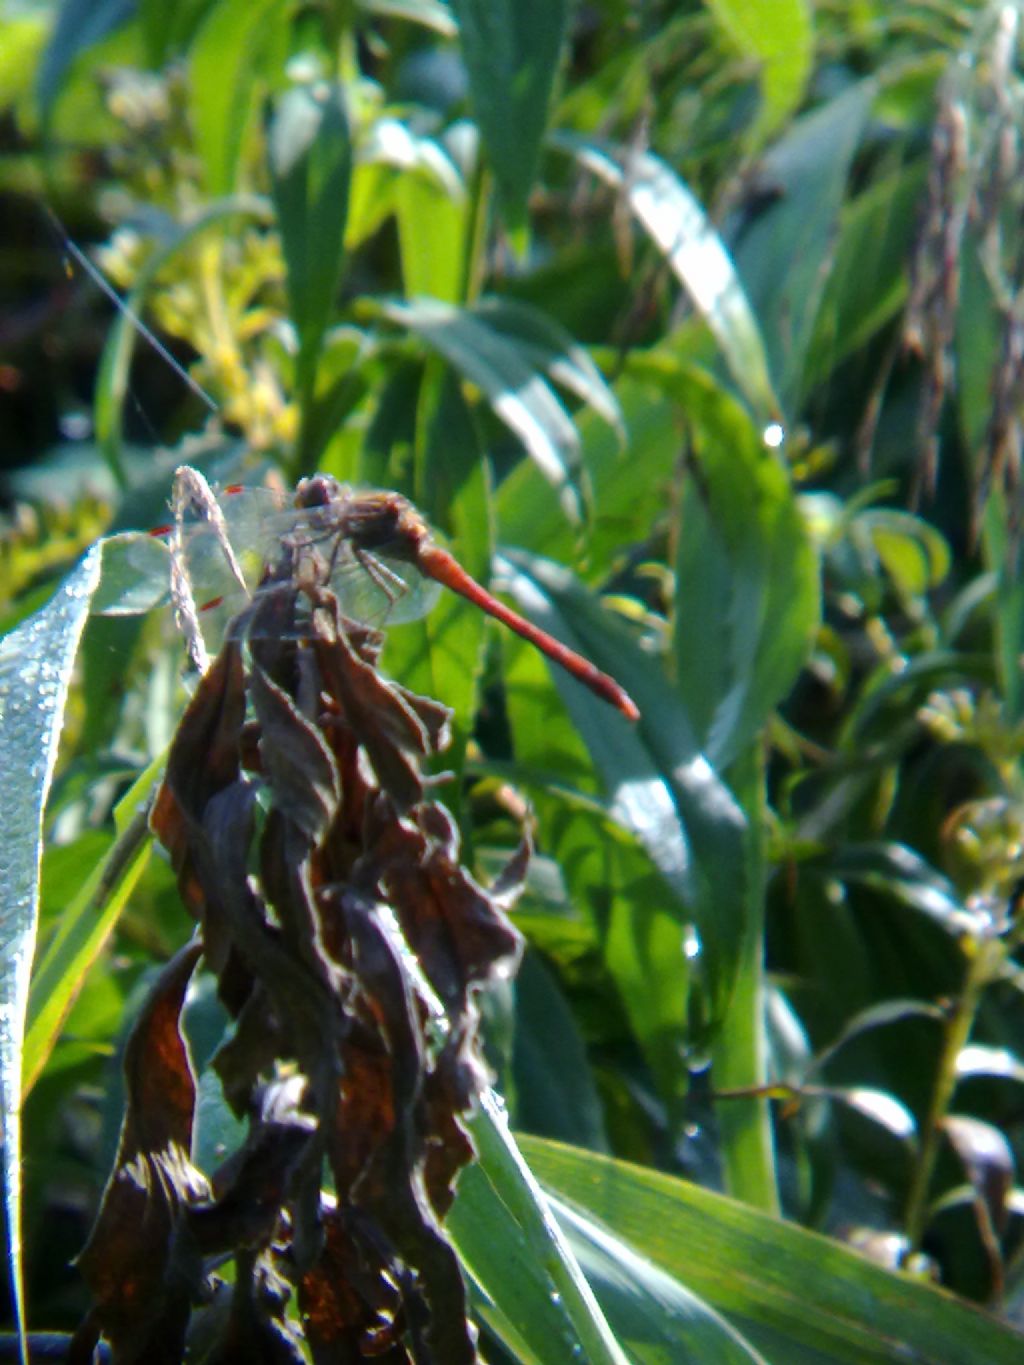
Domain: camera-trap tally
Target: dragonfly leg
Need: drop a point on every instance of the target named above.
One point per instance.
(391, 584)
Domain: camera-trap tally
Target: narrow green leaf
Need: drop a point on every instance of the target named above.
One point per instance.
(223, 70)
(747, 595)
(36, 662)
(518, 394)
(868, 282)
(512, 1246)
(882, 1015)
(85, 925)
(780, 38)
(511, 49)
(80, 25)
(796, 1295)
(674, 220)
(310, 157)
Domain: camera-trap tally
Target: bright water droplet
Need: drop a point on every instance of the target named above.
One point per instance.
(773, 435)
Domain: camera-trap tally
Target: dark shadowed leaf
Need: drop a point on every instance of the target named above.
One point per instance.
(784, 257)
(310, 158)
(511, 49)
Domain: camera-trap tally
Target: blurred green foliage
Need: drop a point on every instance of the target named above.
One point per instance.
(698, 327)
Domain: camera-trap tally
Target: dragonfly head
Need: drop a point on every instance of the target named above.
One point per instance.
(322, 490)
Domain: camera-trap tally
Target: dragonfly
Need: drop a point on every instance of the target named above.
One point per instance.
(373, 549)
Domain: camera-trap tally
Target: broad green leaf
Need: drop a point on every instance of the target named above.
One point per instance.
(784, 257)
(36, 662)
(519, 395)
(678, 226)
(780, 38)
(901, 874)
(223, 70)
(651, 1313)
(168, 29)
(747, 582)
(431, 234)
(510, 1244)
(511, 49)
(630, 488)
(659, 786)
(310, 158)
(402, 171)
(614, 886)
(797, 1296)
(978, 1060)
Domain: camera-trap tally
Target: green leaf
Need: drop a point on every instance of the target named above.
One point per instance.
(651, 1313)
(86, 924)
(441, 654)
(868, 283)
(517, 393)
(784, 257)
(510, 1244)
(549, 347)
(310, 157)
(747, 583)
(630, 490)
(431, 233)
(36, 662)
(914, 554)
(511, 49)
(555, 1089)
(799, 1297)
(660, 787)
(678, 226)
(223, 70)
(80, 25)
(433, 14)
(780, 38)
(22, 39)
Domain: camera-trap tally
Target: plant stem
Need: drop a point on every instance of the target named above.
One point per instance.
(739, 1054)
(985, 958)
